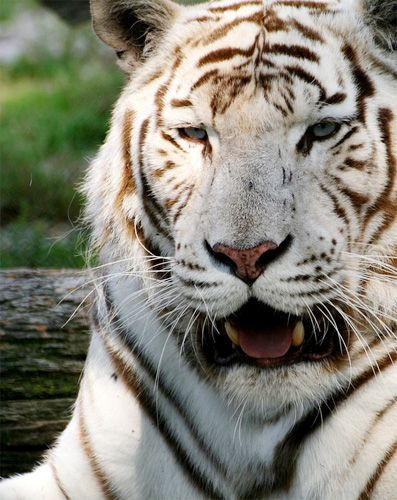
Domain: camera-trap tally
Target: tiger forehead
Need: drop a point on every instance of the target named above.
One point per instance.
(254, 56)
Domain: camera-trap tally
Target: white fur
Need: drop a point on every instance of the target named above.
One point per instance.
(242, 413)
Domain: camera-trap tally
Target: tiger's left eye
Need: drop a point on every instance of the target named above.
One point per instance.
(194, 134)
(324, 129)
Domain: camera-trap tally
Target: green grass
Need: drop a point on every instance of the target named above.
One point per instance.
(50, 125)
(29, 244)
(54, 115)
(8, 8)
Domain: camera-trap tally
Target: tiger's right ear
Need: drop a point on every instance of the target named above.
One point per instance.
(132, 27)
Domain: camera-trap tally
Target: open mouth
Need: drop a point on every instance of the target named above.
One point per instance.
(259, 335)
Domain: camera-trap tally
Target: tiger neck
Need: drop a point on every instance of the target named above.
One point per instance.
(218, 451)
(182, 406)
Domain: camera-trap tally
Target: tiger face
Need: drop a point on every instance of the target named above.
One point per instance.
(251, 172)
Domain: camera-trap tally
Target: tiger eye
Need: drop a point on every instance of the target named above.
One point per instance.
(194, 134)
(324, 129)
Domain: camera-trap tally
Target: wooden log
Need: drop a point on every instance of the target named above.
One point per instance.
(44, 341)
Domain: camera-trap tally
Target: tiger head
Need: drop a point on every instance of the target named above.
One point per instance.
(249, 182)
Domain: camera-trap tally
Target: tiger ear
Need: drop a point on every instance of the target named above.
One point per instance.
(381, 17)
(131, 27)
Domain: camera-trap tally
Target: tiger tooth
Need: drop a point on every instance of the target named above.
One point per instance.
(298, 335)
(232, 333)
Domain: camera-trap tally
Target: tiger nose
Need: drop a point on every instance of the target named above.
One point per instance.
(247, 264)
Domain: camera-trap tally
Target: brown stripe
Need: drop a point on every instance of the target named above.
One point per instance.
(339, 209)
(152, 208)
(181, 103)
(346, 137)
(306, 5)
(354, 147)
(282, 110)
(358, 200)
(383, 67)
(361, 80)
(356, 164)
(232, 87)
(383, 202)
(274, 24)
(159, 103)
(159, 172)
(373, 480)
(95, 467)
(205, 79)
(156, 74)
(178, 190)
(160, 422)
(182, 206)
(379, 416)
(159, 98)
(220, 55)
(336, 98)
(222, 31)
(308, 78)
(170, 139)
(127, 181)
(234, 6)
(203, 19)
(297, 51)
(308, 32)
(289, 104)
(58, 481)
(268, 63)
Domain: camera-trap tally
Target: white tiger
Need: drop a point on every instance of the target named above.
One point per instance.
(244, 211)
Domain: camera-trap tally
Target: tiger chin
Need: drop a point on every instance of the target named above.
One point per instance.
(243, 208)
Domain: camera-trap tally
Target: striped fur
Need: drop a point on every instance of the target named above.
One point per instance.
(154, 418)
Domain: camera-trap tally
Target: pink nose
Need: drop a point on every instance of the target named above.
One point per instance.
(247, 264)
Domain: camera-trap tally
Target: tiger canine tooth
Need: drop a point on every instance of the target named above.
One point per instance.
(232, 333)
(298, 335)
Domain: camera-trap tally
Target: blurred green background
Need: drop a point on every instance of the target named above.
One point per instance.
(58, 83)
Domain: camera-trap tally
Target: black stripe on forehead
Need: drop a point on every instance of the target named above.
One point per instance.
(361, 79)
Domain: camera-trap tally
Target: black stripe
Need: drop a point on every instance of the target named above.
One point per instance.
(288, 451)
(385, 200)
(58, 481)
(336, 98)
(180, 208)
(363, 83)
(297, 51)
(366, 494)
(220, 55)
(339, 208)
(153, 209)
(347, 136)
(148, 404)
(169, 394)
(308, 78)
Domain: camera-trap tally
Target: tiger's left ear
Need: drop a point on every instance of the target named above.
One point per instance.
(132, 27)
(381, 17)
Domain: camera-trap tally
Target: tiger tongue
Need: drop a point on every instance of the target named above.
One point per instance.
(272, 342)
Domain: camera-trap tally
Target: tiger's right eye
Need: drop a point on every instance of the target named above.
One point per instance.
(194, 134)
(325, 129)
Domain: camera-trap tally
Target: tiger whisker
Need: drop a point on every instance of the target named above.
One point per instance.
(346, 294)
